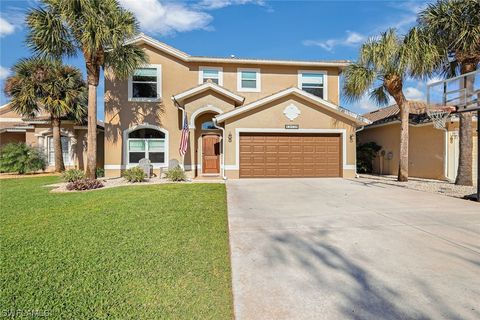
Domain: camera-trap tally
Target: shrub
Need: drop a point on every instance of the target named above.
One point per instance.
(100, 172)
(73, 175)
(21, 158)
(84, 184)
(366, 152)
(176, 174)
(135, 174)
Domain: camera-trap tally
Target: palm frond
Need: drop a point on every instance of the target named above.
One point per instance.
(48, 35)
(45, 85)
(380, 95)
(454, 26)
(124, 60)
(357, 79)
(419, 54)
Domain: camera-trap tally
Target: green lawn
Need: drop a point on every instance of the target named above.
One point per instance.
(143, 252)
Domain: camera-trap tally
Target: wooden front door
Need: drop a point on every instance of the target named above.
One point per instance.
(211, 154)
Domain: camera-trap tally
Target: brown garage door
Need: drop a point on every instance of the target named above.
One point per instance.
(289, 155)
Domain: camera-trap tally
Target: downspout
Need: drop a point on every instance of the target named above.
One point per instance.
(175, 102)
(215, 124)
(357, 131)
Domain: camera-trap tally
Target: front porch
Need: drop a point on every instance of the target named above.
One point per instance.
(206, 144)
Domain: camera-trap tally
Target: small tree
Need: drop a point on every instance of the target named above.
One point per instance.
(382, 66)
(41, 85)
(366, 153)
(21, 158)
(97, 29)
(380, 70)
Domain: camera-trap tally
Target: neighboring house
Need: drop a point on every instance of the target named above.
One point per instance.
(246, 117)
(38, 132)
(432, 153)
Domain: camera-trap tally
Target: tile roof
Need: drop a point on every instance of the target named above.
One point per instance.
(391, 113)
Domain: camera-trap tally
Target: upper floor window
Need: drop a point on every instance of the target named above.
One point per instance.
(146, 143)
(248, 80)
(215, 74)
(145, 84)
(313, 82)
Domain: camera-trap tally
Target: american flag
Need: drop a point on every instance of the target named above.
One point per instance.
(184, 139)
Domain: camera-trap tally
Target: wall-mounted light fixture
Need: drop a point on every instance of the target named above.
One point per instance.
(229, 137)
(352, 137)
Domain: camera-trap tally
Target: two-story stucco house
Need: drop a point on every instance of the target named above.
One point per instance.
(246, 117)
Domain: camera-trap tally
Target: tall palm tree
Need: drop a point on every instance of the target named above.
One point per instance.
(97, 29)
(40, 85)
(382, 65)
(453, 27)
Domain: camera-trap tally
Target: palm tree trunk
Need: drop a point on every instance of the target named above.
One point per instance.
(394, 86)
(57, 146)
(92, 132)
(464, 172)
(93, 74)
(404, 118)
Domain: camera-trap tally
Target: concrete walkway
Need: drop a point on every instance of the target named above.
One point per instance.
(343, 249)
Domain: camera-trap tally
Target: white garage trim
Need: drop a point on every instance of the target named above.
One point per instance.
(343, 132)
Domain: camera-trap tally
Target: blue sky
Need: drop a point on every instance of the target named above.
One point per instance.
(245, 28)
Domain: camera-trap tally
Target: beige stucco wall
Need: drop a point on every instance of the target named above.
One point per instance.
(178, 76)
(270, 117)
(78, 138)
(427, 149)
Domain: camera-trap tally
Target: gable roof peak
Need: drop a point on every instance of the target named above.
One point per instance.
(143, 38)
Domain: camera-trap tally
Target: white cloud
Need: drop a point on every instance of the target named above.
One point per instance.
(351, 39)
(405, 17)
(412, 93)
(218, 4)
(367, 104)
(4, 73)
(6, 28)
(168, 18)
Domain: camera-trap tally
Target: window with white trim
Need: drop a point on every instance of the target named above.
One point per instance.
(146, 143)
(66, 145)
(145, 84)
(215, 74)
(248, 80)
(312, 82)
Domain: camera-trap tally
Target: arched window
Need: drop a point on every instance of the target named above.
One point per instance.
(146, 143)
(208, 125)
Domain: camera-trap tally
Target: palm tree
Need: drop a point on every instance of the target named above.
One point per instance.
(382, 65)
(453, 27)
(97, 29)
(41, 85)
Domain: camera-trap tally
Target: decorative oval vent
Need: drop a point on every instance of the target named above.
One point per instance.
(291, 112)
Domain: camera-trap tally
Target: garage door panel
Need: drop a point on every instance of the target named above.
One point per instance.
(290, 155)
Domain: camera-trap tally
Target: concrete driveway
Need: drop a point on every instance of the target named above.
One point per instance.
(343, 249)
